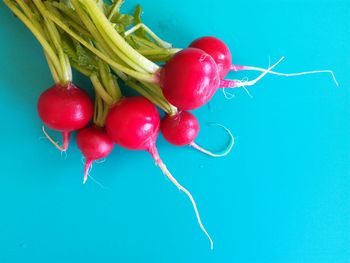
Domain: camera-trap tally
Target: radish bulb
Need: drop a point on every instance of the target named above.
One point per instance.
(64, 109)
(94, 144)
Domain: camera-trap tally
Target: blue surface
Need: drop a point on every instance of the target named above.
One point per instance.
(283, 195)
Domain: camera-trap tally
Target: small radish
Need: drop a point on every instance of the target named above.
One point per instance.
(191, 77)
(64, 109)
(134, 123)
(94, 144)
(221, 54)
(182, 129)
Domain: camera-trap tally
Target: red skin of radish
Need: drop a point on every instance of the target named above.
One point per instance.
(65, 109)
(95, 144)
(180, 129)
(218, 50)
(133, 123)
(189, 79)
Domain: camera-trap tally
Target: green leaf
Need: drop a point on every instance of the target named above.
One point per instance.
(69, 50)
(85, 58)
(122, 20)
(137, 14)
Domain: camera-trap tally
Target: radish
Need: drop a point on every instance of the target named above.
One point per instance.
(191, 77)
(134, 123)
(182, 129)
(94, 144)
(64, 109)
(221, 54)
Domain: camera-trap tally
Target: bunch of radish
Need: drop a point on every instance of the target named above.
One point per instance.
(108, 46)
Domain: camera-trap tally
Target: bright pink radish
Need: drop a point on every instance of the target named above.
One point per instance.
(182, 129)
(134, 123)
(222, 56)
(64, 109)
(217, 50)
(95, 144)
(191, 77)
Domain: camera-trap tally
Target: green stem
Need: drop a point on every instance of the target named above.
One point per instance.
(82, 70)
(115, 8)
(142, 42)
(64, 63)
(108, 81)
(52, 69)
(98, 115)
(114, 83)
(66, 10)
(56, 40)
(104, 114)
(155, 52)
(100, 89)
(151, 78)
(46, 46)
(66, 16)
(109, 32)
(157, 39)
(147, 95)
(98, 37)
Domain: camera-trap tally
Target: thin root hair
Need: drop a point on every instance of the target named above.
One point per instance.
(189, 195)
(253, 68)
(254, 81)
(225, 152)
(98, 183)
(47, 136)
(228, 95)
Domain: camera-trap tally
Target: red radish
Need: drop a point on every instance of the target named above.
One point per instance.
(134, 123)
(182, 129)
(217, 50)
(221, 54)
(64, 109)
(191, 77)
(94, 144)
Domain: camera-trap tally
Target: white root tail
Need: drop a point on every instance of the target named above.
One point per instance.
(153, 151)
(183, 189)
(254, 81)
(65, 136)
(226, 152)
(251, 68)
(234, 83)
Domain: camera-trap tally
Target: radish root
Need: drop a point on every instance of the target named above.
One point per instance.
(240, 84)
(251, 68)
(153, 151)
(226, 152)
(87, 167)
(65, 137)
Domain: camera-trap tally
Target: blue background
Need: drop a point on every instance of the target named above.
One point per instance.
(282, 195)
